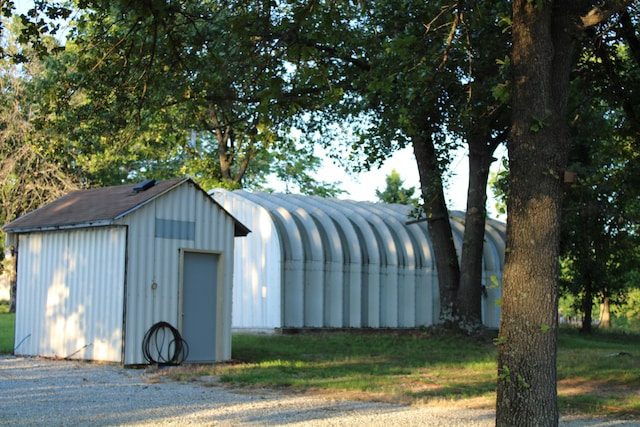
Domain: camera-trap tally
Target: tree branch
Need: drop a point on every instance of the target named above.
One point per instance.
(602, 13)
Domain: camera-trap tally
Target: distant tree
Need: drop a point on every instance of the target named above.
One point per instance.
(627, 313)
(31, 174)
(601, 214)
(395, 192)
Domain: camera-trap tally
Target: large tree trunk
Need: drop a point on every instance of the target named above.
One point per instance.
(444, 250)
(544, 35)
(538, 151)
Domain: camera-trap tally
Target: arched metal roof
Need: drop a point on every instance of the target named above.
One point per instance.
(345, 263)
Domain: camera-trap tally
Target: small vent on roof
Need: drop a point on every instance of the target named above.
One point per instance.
(144, 185)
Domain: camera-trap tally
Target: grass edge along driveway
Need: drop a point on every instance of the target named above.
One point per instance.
(598, 374)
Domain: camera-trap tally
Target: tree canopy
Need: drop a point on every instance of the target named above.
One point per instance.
(162, 89)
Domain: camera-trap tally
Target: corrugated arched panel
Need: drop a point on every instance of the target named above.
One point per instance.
(362, 264)
(354, 253)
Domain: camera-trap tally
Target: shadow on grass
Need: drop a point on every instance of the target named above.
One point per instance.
(405, 366)
(599, 375)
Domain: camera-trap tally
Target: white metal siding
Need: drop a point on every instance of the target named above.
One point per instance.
(153, 277)
(70, 294)
(258, 265)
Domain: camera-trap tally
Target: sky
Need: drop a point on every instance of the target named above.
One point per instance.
(363, 186)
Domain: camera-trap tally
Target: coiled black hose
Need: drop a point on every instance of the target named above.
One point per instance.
(158, 350)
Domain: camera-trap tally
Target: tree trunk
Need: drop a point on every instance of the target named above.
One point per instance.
(587, 304)
(444, 250)
(469, 297)
(605, 313)
(12, 270)
(538, 151)
(460, 284)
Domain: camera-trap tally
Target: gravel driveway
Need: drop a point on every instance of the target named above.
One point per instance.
(39, 392)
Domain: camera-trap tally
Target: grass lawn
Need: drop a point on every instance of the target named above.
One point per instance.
(6, 329)
(422, 368)
(597, 374)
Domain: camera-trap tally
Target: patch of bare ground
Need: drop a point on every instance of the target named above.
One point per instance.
(481, 402)
(408, 391)
(579, 386)
(604, 390)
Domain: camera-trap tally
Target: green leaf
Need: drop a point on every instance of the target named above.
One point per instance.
(500, 340)
(501, 92)
(495, 283)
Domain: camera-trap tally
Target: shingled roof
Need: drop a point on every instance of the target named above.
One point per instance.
(99, 206)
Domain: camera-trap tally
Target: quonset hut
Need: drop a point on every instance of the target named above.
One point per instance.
(312, 262)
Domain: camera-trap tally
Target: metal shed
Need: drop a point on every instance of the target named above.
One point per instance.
(326, 263)
(98, 268)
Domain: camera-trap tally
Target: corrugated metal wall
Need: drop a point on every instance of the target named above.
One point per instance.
(71, 294)
(79, 288)
(258, 263)
(153, 276)
(346, 263)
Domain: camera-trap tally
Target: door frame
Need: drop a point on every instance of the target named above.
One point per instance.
(219, 294)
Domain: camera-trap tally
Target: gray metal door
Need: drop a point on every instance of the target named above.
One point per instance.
(199, 301)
